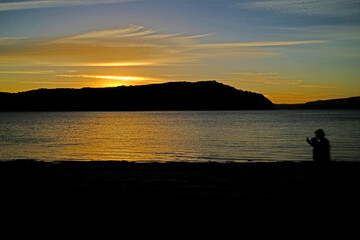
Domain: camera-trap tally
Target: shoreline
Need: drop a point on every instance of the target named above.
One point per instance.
(294, 199)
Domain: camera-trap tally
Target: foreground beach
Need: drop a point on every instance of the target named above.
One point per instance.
(283, 199)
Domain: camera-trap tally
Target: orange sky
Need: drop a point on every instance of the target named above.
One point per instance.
(308, 58)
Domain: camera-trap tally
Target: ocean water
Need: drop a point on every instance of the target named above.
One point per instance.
(177, 136)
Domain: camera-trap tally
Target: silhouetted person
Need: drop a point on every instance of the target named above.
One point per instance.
(321, 151)
(315, 144)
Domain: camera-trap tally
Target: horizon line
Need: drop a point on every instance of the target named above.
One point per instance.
(177, 82)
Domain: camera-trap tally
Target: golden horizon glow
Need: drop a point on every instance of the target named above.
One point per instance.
(114, 80)
(133, 55)
(120, 64)
(122, 78)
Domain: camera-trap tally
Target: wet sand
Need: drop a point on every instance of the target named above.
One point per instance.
(256, 200)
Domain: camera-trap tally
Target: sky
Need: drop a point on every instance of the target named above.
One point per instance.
(292, 51)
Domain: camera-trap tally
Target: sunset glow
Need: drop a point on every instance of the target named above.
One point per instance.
(122, 78)
(120, 64)
(181, 109)
(113, 81)
(291, 53)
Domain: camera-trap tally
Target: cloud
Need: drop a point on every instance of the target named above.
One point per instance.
(21, 5)
(260, 44)
(338, 8)
(37, 72)
(270, 78)
(108, 77)
(319, 86)
(133, 45)
(333, 32)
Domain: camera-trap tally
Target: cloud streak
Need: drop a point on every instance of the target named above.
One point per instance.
(338, 8)
(108, 77)
(265, 78)
(133, 45)
(21, 5)
(259, 44)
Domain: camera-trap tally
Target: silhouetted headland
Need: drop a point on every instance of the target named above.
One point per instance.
(341, 103)
(208, 95)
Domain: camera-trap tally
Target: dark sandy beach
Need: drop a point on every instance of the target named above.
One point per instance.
(285, 199)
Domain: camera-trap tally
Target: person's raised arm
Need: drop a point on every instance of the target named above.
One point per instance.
(308, 141)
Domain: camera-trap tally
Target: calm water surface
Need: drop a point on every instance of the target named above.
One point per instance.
(177, 136)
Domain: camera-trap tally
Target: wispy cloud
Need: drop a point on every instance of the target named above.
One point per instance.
(133, 45)
(273, 78)
(128, 46)
(307, 7)
(36, 72)
(108, 77)
(259, 44)
(332, 32)
(267, 78)
(319, 86)
(21, 5)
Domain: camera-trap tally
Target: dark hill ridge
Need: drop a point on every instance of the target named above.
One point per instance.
(209, 95)
(341, 103)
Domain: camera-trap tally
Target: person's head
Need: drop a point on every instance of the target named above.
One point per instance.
(320, 133)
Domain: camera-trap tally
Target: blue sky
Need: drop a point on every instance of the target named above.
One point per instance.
(291, 51)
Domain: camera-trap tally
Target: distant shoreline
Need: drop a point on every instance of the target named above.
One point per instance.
(332, 104)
